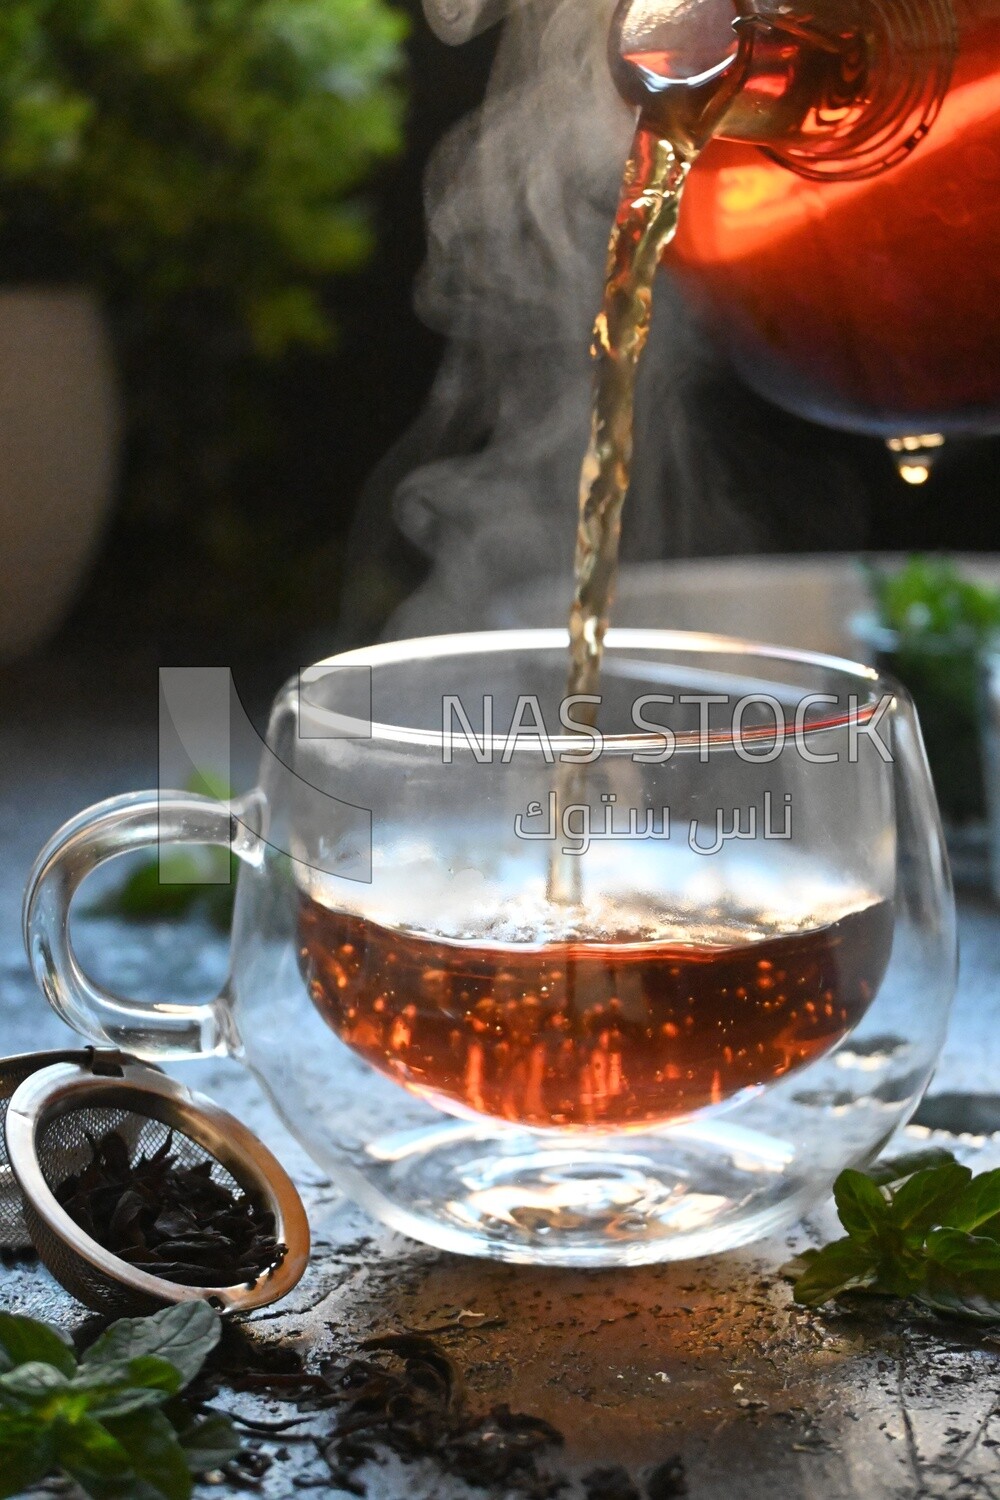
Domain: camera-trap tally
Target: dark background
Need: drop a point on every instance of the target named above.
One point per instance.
(245, 537)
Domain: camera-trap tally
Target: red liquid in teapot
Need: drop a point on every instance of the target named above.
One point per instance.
(871, 304)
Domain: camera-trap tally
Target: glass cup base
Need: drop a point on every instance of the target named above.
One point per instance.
(529, 1198)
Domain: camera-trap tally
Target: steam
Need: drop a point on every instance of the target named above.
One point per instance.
(520, 201)
(520, 198)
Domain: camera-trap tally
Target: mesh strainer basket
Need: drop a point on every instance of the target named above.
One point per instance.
(52, 1120)
(13, 1071)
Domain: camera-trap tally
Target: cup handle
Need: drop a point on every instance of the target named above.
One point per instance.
(138, 820)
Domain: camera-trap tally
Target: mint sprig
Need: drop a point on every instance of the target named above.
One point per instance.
(109, 1419)
(921, 1227)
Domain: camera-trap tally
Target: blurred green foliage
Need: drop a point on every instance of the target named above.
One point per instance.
(197, 881)
(929, 599)
(164, 148)
(941, 623)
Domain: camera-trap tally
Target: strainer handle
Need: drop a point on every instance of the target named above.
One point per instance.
(139, 820)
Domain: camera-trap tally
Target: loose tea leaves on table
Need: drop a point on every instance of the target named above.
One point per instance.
(174, 1221)
(610, 1482)
(416, 1406)
(666, 1481)
(403, 1394)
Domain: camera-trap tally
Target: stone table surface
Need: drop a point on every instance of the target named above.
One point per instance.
(709, 1359)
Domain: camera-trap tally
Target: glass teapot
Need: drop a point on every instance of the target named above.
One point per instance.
(840, 226)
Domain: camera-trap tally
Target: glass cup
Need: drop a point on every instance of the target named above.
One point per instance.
(536, 993)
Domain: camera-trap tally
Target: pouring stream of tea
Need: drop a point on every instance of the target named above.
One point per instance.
(644, 225)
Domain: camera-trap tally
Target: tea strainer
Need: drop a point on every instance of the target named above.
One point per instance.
(13, 1071)
(52, 1121)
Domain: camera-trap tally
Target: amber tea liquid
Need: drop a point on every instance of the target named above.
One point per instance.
(586, 1034)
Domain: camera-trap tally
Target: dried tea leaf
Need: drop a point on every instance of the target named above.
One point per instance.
(177, 1222)
(421, 1411)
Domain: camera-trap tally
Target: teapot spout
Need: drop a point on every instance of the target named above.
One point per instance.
(681, 62)
(839, 89)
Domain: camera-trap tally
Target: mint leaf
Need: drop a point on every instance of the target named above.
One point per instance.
(182, 881)
(86, 1450)
(861, 1206)
(839, 1267)
(156, 1456)
(178, 884)
(926, 1198)
(929, 597)
(110, 1423)
(31, 1382)
(26, 1453)
(147, 1381)
(963, 1252)
(208, 783)
(908, 1235)
(183, 1335)
(209, 1444)
(979, 1203)
(896, 1169)
(974, 1295)
(156, 1374)
(23, 1339)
